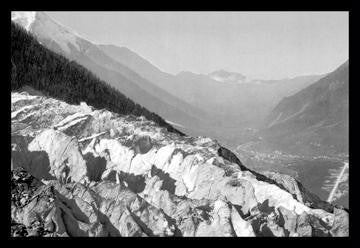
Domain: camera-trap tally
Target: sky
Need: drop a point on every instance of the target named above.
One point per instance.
(263, 45)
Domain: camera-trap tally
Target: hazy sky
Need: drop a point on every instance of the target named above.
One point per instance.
(259, 44)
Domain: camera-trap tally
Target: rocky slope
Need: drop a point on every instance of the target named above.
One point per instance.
(77, 171)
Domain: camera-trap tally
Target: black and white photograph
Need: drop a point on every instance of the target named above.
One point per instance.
(179, 124)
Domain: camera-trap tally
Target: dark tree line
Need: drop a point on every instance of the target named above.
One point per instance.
(34, 65)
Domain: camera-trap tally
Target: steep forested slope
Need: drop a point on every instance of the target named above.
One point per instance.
(36, 66)
(65, 41)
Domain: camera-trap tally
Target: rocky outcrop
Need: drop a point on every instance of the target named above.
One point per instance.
(65, 158)
(299, 191)
(103, 174)
(75, 210)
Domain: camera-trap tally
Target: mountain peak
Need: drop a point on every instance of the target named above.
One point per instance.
(24, 18)
(42, 25)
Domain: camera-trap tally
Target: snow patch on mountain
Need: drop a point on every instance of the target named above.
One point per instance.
(25, 18)
(44, 26)
(228, 77)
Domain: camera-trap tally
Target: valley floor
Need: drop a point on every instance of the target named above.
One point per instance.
(319, 174)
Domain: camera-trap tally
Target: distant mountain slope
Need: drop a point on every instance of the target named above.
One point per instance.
(36, 66)
(229, 104)
(66, 42)
(136, 63)
(316, 119)
(244, 104)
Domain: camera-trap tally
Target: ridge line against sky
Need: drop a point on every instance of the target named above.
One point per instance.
(263, 45)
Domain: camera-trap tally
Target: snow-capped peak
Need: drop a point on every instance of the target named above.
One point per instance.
(25, 18)
(45, 28)
(227, 77)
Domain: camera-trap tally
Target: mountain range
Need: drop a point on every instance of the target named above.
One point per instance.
(232, 105)
(211, 105)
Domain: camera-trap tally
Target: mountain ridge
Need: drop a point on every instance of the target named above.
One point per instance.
(63, 41)
(318, 113)
(34, 65)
